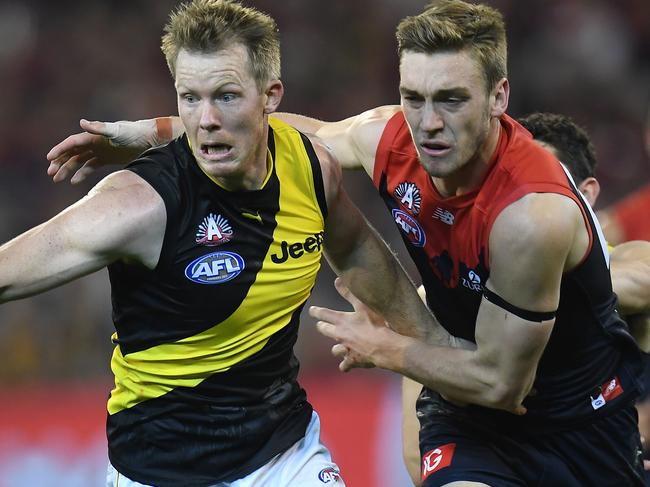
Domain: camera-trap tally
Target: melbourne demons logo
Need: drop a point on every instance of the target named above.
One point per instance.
(329, 474)
(213, 230)
(408, 195)
(410, 227)
(437, 459)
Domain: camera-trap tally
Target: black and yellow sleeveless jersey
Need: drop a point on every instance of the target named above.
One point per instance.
(205, 375)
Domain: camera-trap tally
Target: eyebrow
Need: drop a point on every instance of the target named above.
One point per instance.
(440, 94)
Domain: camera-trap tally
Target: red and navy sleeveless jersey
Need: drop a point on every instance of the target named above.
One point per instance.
(448, 239)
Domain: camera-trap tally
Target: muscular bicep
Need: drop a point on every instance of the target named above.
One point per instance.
(121, 218)
(531, 244)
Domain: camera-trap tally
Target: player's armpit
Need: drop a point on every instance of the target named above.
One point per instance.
(121, 218)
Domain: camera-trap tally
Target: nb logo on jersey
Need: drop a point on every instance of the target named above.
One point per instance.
(215, 268)
(408, 195)
(444, 216)
(214, 230)
(473, 281)
(297, 249)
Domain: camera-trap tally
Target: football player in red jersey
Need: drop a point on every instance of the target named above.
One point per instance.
(540, 388)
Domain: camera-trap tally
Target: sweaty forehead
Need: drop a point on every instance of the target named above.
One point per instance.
(430, 73)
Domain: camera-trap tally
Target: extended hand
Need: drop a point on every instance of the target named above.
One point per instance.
(102, 144)
(364, 339)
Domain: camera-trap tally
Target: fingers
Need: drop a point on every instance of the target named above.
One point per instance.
(346, 293)
(327, 329)
(84, 171)
(60, 171)
(70, 146)
(339, 350)
(107, 129)
(326, 314)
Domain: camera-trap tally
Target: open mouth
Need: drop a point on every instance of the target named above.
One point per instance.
(435, 149)
(215, 151)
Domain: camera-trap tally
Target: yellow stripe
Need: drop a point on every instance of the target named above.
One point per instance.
(279, 290)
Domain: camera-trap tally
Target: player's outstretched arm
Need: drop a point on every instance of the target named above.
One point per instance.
(121, 218)
(367, 266)
(108, 143)
(354, 140)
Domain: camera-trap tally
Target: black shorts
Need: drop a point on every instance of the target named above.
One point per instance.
(605, 453)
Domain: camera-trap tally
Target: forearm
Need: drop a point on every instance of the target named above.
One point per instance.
(373, 274)
(306, 125)
(461, 375)
(37, 261)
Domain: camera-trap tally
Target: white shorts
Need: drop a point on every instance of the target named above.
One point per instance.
(307, 463)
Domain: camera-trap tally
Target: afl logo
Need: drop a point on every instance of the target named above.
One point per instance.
(329, 474)
(410, 227)
(215, 268)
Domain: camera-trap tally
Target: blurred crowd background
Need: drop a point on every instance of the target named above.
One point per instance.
(60, 61)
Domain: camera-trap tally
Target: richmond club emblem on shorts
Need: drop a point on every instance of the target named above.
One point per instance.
(213, 230)
(329, 475)
(408, 195)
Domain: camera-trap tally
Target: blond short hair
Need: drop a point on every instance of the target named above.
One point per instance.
(454, 25)
(212, 25)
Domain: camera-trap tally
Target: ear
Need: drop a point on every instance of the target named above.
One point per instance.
(274, 92)
(499, 98)
(591, 189)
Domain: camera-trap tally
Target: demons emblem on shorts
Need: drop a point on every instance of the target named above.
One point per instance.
(213, 230)
(408, 195)
(437, 459)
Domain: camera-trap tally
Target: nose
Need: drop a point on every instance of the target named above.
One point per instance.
(210, 117)
(431, 119)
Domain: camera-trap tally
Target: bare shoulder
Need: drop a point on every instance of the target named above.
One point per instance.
(368, 127)
(536, 239)
(126, 190)
(536, 216)
(125, 215)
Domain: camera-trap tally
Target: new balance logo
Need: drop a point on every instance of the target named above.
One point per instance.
(444, 216)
